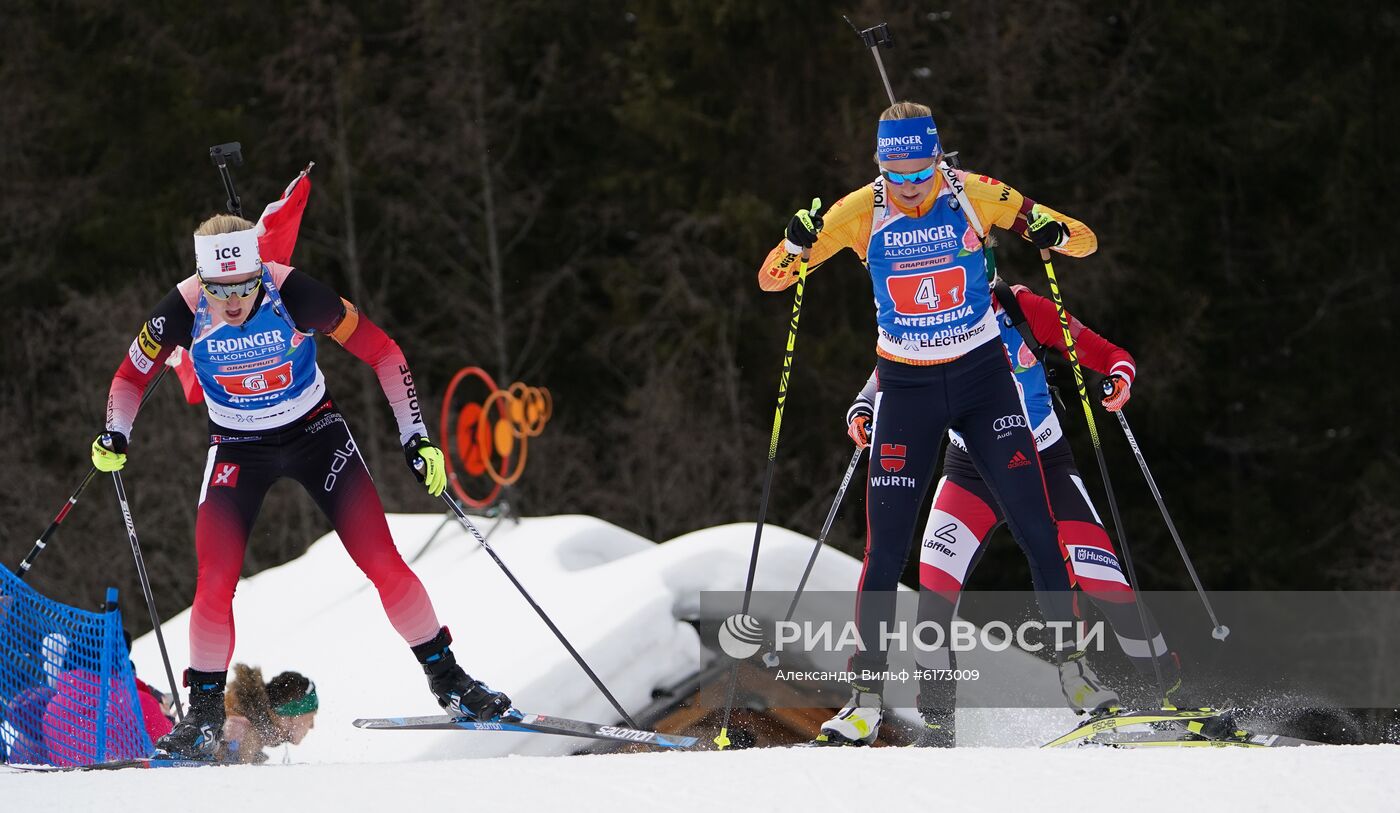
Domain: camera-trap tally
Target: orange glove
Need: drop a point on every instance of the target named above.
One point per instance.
(1116, 390)
(859, 427)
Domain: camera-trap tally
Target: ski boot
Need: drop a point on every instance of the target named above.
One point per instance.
(858, 722)
(197, 736)
(937, 731)
(454, 689)
(1083, 690)
(1174, 698)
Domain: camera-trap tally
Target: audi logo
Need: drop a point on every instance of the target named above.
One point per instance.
(1006, 422)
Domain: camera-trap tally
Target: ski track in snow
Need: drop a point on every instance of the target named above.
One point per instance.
(621, 599)
(1279, 780)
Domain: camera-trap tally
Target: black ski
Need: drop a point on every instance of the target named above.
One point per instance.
(534, 723)
(121, 764)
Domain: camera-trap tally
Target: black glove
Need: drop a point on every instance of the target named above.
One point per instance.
(805, 225)
(1045, 231)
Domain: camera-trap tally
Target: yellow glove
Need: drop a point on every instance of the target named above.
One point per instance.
(1044, 230)
(425, 459)
(803, 229)
(109, 452)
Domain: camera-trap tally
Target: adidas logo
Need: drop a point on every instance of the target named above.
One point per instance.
(1018, 460)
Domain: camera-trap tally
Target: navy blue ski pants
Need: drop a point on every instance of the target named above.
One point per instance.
(914, 407)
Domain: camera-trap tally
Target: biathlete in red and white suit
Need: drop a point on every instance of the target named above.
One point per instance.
(941, 363)
(965, 513)
(249, 329)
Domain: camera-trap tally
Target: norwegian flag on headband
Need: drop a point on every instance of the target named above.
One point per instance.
(281, 220)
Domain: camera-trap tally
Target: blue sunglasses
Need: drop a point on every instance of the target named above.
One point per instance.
(901, 178)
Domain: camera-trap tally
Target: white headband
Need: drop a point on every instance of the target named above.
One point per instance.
(220, 256)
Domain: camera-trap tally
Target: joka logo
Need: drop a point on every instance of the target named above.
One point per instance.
(892, 456)
(1018, 460)
(225, 474)
(278, 378)
(922, 294)
(1006, 422)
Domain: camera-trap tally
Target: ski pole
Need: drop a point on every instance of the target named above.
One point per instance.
(1073, 356)
(42, 542)
(431, 538)
(770, 658)
(875, 38)
(480, 540)
(222, 155)
(146, 589)
(1219, 631)
(722, 739)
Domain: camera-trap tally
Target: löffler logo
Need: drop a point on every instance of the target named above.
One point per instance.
(892, 456)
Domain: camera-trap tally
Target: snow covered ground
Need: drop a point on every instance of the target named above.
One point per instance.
(621, 601)
(1353, 778)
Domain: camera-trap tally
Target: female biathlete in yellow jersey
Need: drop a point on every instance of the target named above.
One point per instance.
(941, 364)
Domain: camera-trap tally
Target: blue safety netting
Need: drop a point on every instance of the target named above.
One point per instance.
(67, 692)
